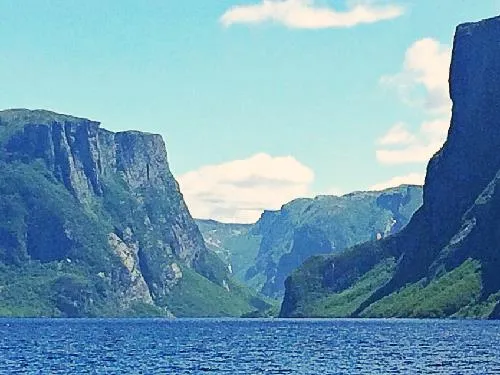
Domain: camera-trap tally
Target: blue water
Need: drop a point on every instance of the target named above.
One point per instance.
(47, 346)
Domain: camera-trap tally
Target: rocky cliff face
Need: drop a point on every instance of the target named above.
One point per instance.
(120, 189)
(84, 157)
(453, 237)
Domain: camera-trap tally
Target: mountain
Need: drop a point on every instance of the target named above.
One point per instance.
(264, 254)
(92, 223)
(445, 263)
(235, 244)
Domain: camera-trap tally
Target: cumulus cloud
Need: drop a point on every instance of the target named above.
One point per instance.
(425, 72)
(426, 66)
(397, 135)
(402, 146)
(238, 191)
(409, 179)
(307, 14)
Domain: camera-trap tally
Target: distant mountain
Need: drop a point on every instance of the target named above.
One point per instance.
(446, 262)
(264, 254)
(92, 223)
(307, 227)
(235, 244)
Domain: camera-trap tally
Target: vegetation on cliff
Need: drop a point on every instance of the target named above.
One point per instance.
(92, 223)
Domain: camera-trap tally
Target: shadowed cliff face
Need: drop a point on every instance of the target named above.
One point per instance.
(469, 160)
(457, 222)
(106, 201)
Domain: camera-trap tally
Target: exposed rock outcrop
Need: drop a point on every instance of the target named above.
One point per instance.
(138, 289)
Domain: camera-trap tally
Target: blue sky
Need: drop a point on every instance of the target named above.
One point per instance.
(259, 101)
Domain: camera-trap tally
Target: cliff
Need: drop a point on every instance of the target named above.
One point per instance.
(445, 262)
(99, 218)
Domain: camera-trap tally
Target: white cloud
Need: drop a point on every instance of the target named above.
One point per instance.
(401, 146)
(410, 179)
(238, 191)
(397, 135)
(425, 72)
(306, 14)
(426, 66)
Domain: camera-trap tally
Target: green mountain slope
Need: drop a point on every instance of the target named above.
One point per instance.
(92, 223)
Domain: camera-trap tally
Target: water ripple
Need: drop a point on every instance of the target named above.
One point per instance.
(155, 346)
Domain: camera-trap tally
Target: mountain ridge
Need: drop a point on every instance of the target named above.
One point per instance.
(263, 254)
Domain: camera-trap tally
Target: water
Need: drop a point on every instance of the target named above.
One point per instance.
(47, 346)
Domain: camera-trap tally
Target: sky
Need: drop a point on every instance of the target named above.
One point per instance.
(259, 101)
